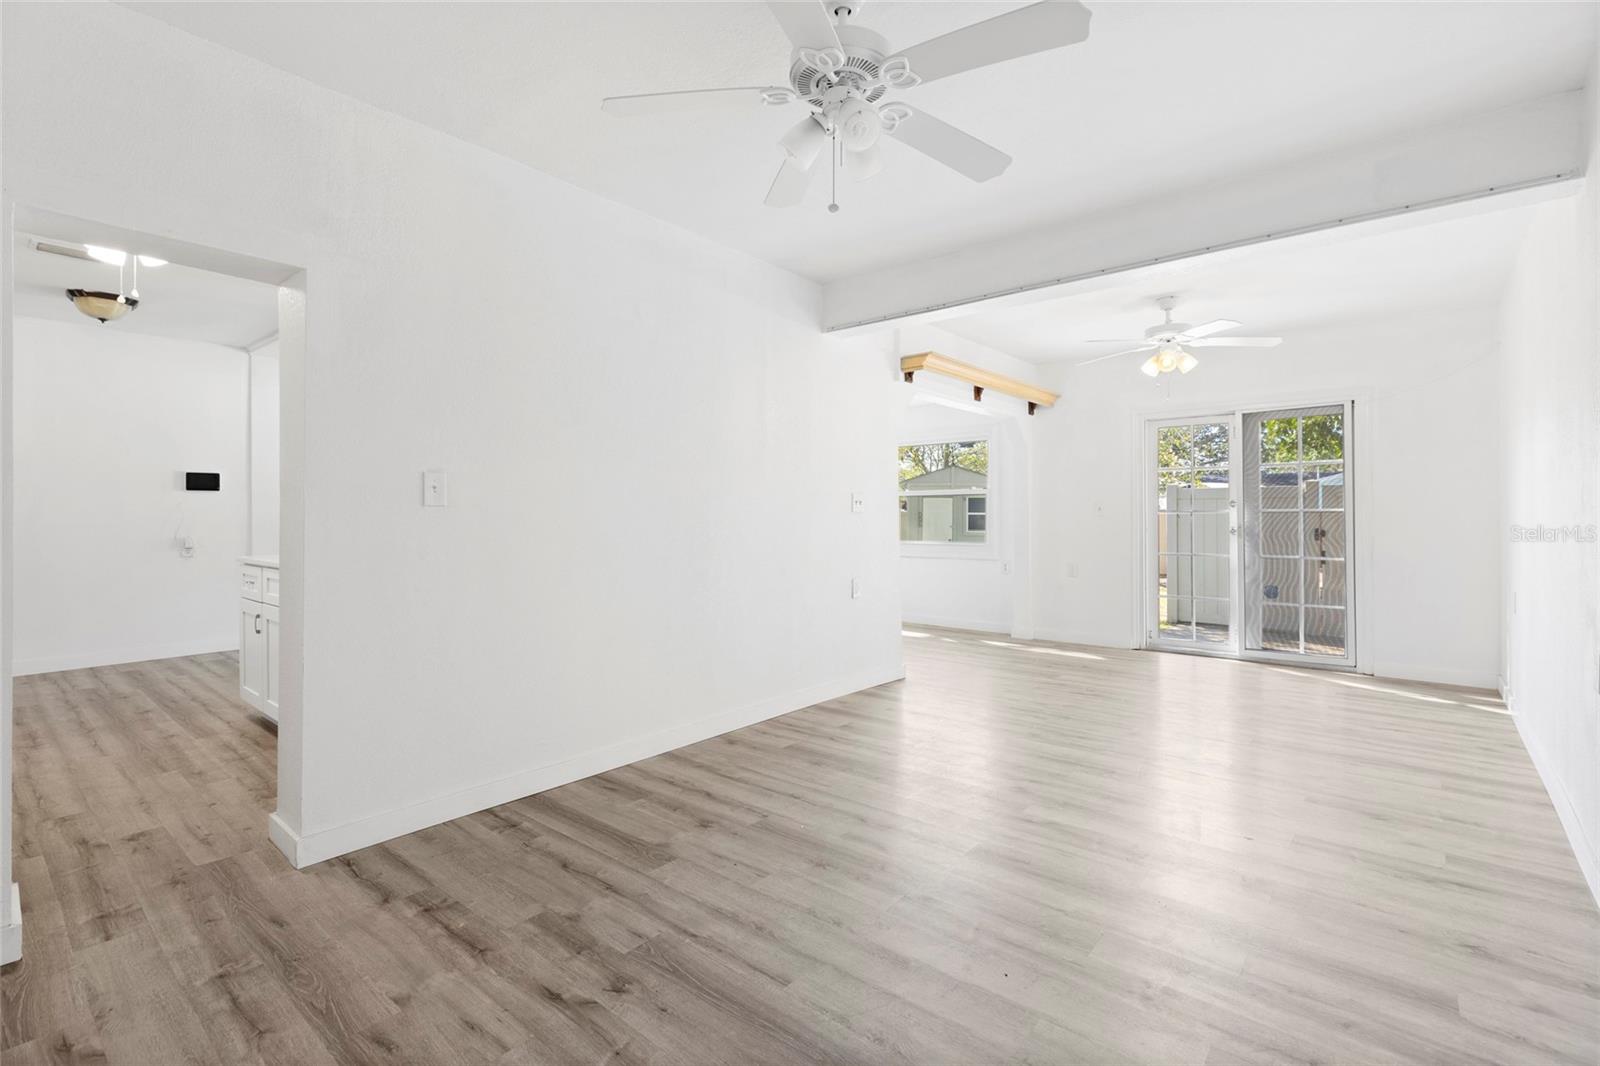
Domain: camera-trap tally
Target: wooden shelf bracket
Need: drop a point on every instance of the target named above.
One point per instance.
(979, 378)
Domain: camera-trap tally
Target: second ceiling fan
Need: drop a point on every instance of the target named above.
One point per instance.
(1170, 342)
(842, 72)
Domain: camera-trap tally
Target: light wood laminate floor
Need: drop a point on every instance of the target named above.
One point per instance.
(1023, 853)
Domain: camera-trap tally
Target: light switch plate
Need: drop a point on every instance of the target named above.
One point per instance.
(857, 502)
(435, 489)
(855, 588)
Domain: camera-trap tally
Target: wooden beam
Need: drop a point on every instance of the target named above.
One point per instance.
(979, 378)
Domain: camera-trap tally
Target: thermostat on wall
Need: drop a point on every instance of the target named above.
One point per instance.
(202, 482)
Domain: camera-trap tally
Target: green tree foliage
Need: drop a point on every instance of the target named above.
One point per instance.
(1184, 448)
(919, 459)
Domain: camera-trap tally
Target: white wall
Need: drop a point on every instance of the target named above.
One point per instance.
(106, 424)
(1551, 401)
(981, 587)
(650, 446)
(1426, 444)
(264, 434)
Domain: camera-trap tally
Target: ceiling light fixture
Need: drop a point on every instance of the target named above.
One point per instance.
(151, 261)
(1169, 358)
(105, 306)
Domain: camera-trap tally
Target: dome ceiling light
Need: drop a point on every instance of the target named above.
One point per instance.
(105, 306)
(96, 303)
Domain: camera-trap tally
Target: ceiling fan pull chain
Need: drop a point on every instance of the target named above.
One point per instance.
(833, 204)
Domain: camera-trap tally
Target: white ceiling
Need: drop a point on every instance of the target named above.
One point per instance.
(1273, 289)
(1162, 96)
(174, 301)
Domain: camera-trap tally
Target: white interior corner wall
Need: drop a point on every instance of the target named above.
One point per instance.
(1426, 445)
(1551, 404)
(651, 448)
(104, 426)
(264, 433)
(982, 587)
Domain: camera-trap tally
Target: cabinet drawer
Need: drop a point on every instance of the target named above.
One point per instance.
(250, 582)
(269, 585)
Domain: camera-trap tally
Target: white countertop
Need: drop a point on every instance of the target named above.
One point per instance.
(269, 561)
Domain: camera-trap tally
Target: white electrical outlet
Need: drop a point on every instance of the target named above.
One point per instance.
(435, 490)
(857, 503)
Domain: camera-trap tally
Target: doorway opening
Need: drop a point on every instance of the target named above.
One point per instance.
(1248, 519)
(153, 456)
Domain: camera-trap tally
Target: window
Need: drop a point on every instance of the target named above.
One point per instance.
(977, 514)
(944, 492)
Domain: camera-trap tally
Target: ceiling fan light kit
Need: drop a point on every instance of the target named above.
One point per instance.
(842, 72)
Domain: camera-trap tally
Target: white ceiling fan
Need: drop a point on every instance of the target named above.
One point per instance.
(1171, 341)
(842, 72)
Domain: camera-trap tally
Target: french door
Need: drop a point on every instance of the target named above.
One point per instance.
(1248, 534)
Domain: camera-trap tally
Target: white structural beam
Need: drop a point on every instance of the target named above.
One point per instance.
(1531, 145)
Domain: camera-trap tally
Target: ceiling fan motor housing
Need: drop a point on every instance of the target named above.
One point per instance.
(860, 69)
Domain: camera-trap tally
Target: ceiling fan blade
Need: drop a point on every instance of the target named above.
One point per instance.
(745, 97)
(1236, 342)
(1209, 328)
(1035, 28)
(1113, 355)
(806, 24)
(789, 186)
(961, 152)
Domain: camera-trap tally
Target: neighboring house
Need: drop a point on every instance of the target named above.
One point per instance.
(948, 506)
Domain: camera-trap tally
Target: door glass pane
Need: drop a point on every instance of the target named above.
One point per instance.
(1176, 574)
(1324, 631)
(1324, 584)
(1280, 533)
(1193, 540)
(1322, 437)
(1295, 541)
(1211, 491)
(1175, 616)
(1324, 536)
(1280, 581)
(1211, 621)
(1211, 576)
(1280, 628)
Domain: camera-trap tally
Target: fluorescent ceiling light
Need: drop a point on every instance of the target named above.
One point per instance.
(151, 261)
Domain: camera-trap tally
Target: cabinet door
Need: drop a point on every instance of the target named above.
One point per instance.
(269, 690)
(252, 652)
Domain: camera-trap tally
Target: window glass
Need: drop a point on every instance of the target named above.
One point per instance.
(944, 492)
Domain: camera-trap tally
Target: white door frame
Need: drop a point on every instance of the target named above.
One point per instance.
(1150, 585)
(1357, 409)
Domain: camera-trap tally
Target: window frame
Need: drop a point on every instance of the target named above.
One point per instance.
(983, 514)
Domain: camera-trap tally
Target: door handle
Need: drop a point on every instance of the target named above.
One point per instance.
(258, 623)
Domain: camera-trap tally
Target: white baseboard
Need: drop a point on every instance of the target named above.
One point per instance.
(1093, 640)
(307, 848)
(49, 664)
(1489, 679)
(11, 931)
(1582, 849)
(945, 622)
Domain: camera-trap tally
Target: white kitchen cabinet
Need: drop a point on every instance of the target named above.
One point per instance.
(259, 634)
